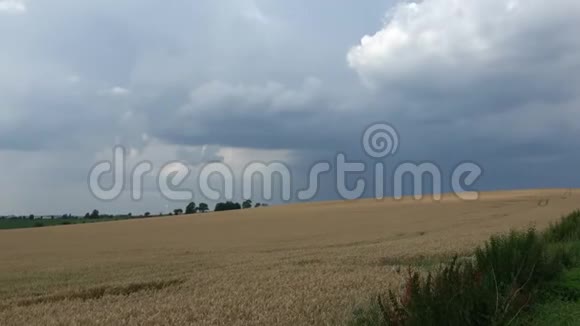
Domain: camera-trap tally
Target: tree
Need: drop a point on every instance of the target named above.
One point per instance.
(87, 215)
(31, 217)
(190, 209)
(257, 205)
(178, 211)
(95, 214)
(227, 206)
(203, 207)
(147, 214)
(247, 204)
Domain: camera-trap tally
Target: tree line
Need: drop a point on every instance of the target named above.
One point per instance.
(191, 208)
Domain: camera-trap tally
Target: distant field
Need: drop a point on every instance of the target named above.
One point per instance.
(6, 224)
(307, 264)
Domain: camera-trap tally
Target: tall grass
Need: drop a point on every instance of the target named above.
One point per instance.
(566, 230)
(500, 283)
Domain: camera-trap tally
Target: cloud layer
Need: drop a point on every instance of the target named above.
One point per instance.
(495, 81)
(12, 6)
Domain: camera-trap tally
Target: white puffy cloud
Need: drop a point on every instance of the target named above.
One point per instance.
(502, 74)
(13, 6)
(462, 40)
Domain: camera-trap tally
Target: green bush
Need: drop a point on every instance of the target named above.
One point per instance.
(567, 229)
(493, 289)
(450, 296)
(567, 253)
(567, 287)
(518, 259)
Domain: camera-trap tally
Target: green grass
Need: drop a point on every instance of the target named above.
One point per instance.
(561, 304)
(555, 313)
(7, 224)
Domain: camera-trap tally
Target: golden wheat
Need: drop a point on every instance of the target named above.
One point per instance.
(307, 264)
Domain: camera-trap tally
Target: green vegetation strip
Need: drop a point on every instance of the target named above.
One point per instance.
(520, 278)
(7, 224)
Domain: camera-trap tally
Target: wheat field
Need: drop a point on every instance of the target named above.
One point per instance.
(304, 264)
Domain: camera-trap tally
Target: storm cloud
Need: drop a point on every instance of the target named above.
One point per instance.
(494, 81)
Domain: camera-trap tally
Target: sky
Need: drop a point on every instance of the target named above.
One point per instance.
(495, 82)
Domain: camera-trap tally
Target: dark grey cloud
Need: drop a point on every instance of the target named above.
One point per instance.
(489, 81)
